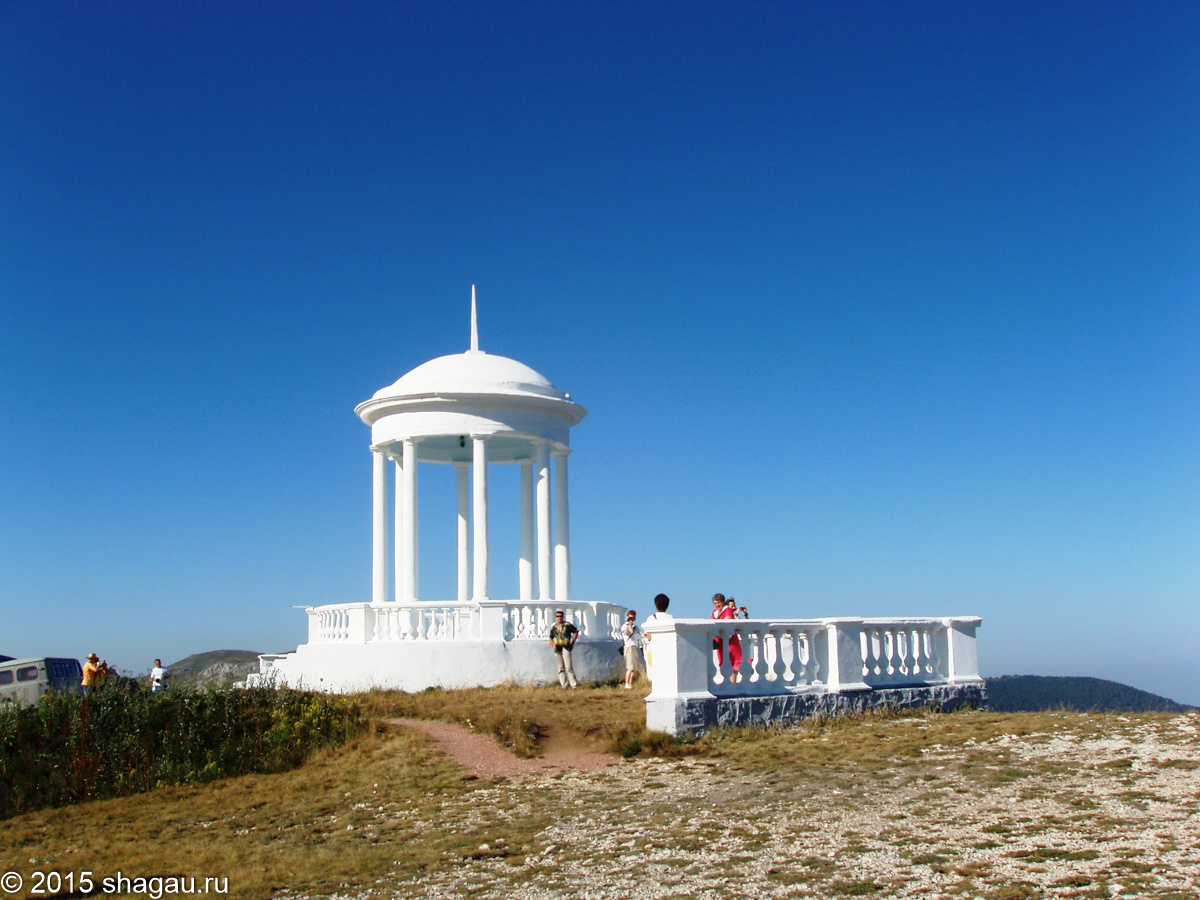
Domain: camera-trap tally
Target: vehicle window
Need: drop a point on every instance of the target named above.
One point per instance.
(61, 668)
(27, 673)
(6, 677)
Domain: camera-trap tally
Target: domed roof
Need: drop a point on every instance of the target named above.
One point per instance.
(472, 372)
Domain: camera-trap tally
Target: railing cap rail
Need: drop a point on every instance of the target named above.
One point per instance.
(689, 625)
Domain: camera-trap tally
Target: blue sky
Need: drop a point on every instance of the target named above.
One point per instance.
(878, 309)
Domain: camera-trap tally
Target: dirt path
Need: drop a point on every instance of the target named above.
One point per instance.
(562, 747)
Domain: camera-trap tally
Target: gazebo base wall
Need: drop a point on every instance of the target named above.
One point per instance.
(417, 665)
(694, 715)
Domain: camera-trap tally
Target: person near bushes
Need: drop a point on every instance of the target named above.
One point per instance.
(159, 676)
(90, 669)
(661, 602)
(632, 634)
(562, 638)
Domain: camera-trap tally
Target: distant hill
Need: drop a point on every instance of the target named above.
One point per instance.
(1032, 693)
(216, 667)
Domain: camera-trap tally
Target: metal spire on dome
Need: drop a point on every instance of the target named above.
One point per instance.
(474, 322)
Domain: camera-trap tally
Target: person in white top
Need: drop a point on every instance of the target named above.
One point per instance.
(661, 602)
(633, 639)
(158, 677)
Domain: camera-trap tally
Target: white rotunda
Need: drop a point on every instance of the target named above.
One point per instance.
(469, 410)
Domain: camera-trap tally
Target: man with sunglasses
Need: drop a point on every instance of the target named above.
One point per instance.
(562, 638)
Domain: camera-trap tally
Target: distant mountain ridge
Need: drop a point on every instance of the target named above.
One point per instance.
(1033, 693)
(216, 667)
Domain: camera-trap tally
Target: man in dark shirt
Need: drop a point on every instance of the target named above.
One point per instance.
(562, 638)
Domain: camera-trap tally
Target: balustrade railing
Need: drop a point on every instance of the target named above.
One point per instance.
(359, 623)
(749, 657)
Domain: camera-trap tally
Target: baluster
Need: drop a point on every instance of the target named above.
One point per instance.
(758, 666)
(785, 658)
(876, 646)
(772, 650)
(714, 634)
(727, 670)
(913, 636)
(939, 665)
(889, 651)
(927, 651)
(812, 666)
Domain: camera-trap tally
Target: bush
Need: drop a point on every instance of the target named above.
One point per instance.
(69, 748)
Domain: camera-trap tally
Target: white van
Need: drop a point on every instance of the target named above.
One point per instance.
(28, 680)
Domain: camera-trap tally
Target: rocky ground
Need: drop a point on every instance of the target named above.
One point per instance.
(1069, 805)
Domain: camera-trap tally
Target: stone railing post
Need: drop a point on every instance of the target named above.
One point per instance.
(843, 662)
(962, 664)
(589, 624)
(360, 623)
(680, 654)
(491, 620)
(314, 625)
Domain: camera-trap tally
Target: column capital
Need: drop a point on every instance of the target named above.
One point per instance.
(560, 451)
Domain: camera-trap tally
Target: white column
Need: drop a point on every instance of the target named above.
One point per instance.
(526, 564)
(464, 533)
(379, 527)
(480, 517)
(562, 530)
(543, 520)
(398, 532)
(409, 550)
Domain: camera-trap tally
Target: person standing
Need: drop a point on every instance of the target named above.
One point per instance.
(661, 602)
(725, 610)
(159, 676)
(90, 669)
(562, 638)
(632, 635)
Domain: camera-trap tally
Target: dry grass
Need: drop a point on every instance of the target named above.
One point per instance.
(516, 715)
(379, 805)
(971, 805)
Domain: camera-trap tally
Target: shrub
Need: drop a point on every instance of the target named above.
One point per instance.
(69, 749)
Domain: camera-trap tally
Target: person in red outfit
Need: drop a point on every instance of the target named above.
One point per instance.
(723, 611)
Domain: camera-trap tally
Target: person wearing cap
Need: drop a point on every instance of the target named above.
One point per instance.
(90, 670)
(158, 677)
(562, 638)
